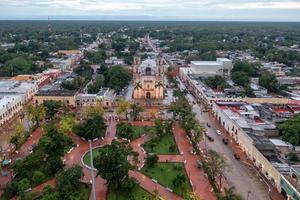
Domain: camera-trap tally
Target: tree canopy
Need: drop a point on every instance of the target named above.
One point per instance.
(117, 78)
(290, 130)
(268, 81)
(93, 127)
(112, 165)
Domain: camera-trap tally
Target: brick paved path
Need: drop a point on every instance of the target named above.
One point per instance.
(146, 183)
(22, 153)
(197, 177)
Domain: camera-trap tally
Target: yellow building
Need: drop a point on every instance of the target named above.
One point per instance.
(148, 78)
(64, 96)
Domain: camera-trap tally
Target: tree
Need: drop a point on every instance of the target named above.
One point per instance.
(117, 78)
(67, 124)
(194, 196)
(290, 130)
(216, 164)
(52, 107)
(22, 186)
(136, 109)
(251, 69)
(18, 65)
(38, 177)
(137, 86)
(155, 195)
(53, 143)
(123, 107)
(93, 127)
(112, 165)
(68, 181)
(269, 81)
(18, 138)
(216, 82)
(240, 78)
(179, 180)
(158, 84)
(36, 114)
(151, 160)
(96, 84)
(125, 130)
(96, 109)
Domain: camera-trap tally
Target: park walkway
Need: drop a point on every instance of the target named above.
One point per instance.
(21, 153)
(147, 184)
(197, 177)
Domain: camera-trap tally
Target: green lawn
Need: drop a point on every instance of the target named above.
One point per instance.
(140, 130)
(164, 173)
(165, 145)
(85, 191)
(86, 158)
(137, 193)
(126, 130)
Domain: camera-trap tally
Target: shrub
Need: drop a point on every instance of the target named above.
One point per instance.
(38, 177)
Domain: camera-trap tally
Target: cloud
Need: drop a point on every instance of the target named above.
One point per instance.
(177, 8)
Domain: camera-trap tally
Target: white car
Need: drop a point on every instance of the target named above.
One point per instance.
(218, 132)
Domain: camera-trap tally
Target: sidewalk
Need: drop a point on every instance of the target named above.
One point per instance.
(273, 192)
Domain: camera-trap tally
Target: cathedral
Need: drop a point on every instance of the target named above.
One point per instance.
(148, 78)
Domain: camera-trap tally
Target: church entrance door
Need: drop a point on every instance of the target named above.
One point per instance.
(148, 95)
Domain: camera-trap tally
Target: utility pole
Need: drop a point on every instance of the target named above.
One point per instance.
(92, 171)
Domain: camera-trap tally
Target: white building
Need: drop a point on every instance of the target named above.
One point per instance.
(24, 89)
(13, 95)
(222, 67)
(10, 105)
(105, 96)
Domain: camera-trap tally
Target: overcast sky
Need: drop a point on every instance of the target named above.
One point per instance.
(237, 10)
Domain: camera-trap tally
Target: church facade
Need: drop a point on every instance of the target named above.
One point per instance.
(148, 78)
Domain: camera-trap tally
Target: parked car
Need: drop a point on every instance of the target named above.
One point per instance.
(218, 132)
(204, 110)
(199, 164)
(237, 156)
(225, 140)
(110, 110)
(210, 138)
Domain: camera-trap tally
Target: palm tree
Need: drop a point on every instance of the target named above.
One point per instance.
(138, 85)
(158, 84)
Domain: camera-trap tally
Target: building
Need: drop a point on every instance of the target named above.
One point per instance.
(10, 106)
(221, 67)
(105, 96)
(115, 61)
(148, 78)
(25, 89)
(249, 131)
(64, 96)
(13, 95)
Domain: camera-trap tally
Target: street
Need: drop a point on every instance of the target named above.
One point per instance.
(245, 180)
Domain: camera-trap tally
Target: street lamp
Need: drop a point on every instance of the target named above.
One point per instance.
(92, 171)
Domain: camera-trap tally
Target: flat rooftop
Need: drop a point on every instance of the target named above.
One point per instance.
(56, 93)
